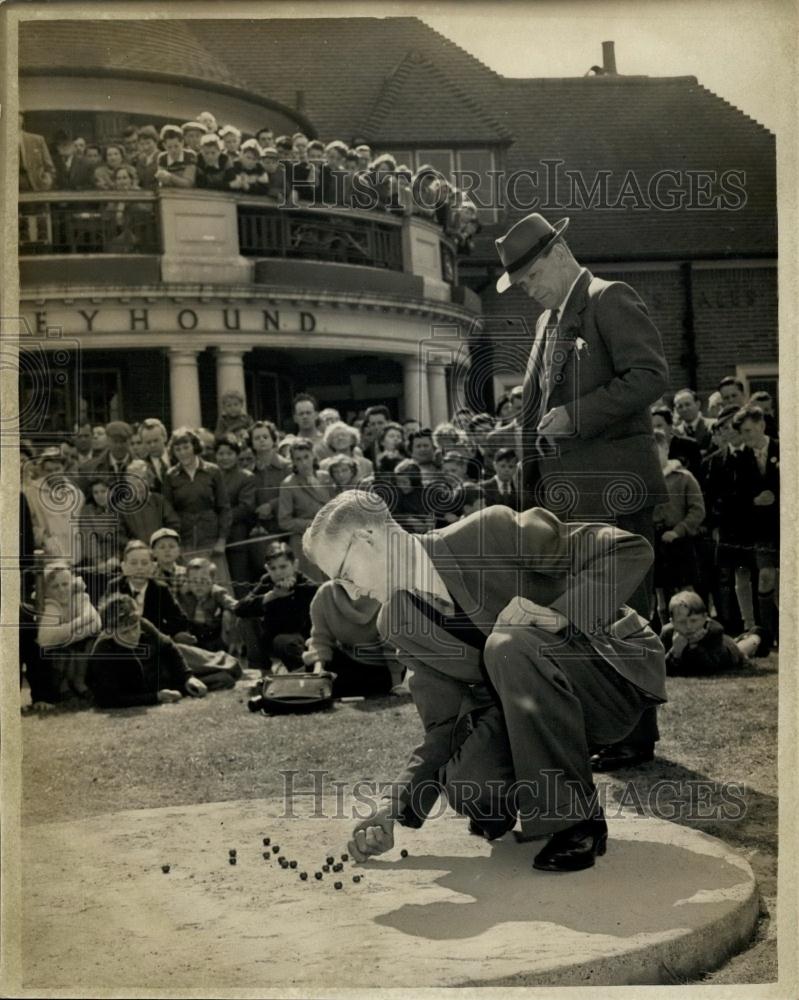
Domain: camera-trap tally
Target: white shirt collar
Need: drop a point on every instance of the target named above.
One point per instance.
(425, 578)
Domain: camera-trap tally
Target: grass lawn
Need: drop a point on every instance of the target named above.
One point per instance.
(715, 730)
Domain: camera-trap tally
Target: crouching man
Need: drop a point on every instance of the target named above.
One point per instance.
(515, 612)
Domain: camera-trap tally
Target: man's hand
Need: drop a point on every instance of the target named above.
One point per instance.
(219, 547)
(265, 509)
(521, 611)
(196, 688)
(556, 421)
(166, 696)
(372, 836)
(764, 499)
(669, 537)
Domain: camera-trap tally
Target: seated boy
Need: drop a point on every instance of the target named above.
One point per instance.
(344, 639)
(132, 663)
(208, 607)
(696, 644)
(233, 417)
(282, 601)
(153, 598)
(165, 546)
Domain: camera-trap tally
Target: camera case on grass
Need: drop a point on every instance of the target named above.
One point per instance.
(294, 692)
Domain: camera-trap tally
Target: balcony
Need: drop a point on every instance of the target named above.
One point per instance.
(141, 238)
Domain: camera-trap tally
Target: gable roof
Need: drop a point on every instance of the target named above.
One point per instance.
(636, 128)
(342, 65)
(419, 103)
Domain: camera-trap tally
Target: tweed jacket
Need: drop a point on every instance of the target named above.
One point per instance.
(607, 368)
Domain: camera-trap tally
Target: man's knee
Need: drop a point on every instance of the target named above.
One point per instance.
(510, 648)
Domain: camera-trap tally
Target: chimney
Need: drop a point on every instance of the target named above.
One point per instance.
(608, 59)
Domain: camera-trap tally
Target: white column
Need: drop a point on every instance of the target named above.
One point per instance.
(416, 401)
(229, 373)
(184, 387)
(437, 380)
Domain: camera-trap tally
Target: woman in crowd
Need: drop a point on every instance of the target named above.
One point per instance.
(302, 494)
(102, 538)
(341, 439)
(270, 470)
(241, 491)
(196, 490)
(143, 511)
(403, 491)
(391, 447)
(67, 625)
(105, 174)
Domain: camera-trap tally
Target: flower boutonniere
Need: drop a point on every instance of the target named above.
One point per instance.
(581, 346)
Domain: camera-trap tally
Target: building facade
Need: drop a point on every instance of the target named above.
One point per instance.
(666, 185)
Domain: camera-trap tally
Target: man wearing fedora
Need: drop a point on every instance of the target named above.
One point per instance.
(595, 368)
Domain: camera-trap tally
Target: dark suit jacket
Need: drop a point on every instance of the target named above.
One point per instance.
(493, 496)
(77, 176)
(607, 384)
(764, 521)
(702, 434)
(585, 571)
(160, 607)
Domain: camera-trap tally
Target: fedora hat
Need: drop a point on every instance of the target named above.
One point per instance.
(522, 244)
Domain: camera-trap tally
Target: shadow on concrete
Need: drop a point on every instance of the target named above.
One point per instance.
(639, 887)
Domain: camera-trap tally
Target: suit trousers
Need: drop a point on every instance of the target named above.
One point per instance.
(558, 696)
(640, 522)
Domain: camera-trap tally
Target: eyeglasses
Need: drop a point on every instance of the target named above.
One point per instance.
(340, 572)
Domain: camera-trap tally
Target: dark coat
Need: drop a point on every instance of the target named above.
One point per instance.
(493, 496)
(202, 504)
(119, 676)
(607, 385)
(285, 615)
(241, 489)
(160, 607)
(764, 521)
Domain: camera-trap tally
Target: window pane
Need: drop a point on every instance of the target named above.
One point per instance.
(480, 162)
(441, 159)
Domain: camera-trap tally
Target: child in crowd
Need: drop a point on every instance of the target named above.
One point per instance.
(502, 487)
(247, 173)
(343, 470)
(132, 663)
(282, 601)
(697, 644)
(345, 640)
(153, 598)
(677, 520)
(165, 545)
(208, 607)
(67, 624)
(233, 417)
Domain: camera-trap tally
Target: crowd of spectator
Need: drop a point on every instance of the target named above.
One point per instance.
(289, 169)
(187, 545)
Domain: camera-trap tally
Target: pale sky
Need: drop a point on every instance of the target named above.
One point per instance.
(742, 51)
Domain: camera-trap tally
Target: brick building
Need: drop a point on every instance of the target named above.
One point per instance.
(667, 186)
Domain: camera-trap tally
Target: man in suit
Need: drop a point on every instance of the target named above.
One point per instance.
(684, 449)
(113, 462)
(691, 423)
(154, 438)
(595, 367)
(517, 610)
(72, 172)
(501, 488)
(36, 167)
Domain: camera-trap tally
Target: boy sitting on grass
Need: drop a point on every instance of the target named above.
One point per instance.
(208, 607)
(282, 601)
(132, 663)
(165, 546)
(697, 644)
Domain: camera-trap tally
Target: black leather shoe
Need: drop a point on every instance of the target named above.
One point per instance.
(575, 848)
(620, 755)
